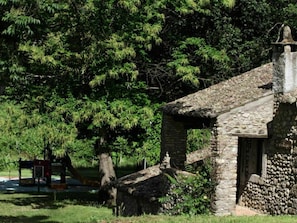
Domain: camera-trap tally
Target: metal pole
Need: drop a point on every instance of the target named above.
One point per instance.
(38, 184)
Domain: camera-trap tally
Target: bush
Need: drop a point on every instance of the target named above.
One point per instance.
(198, 139)
(189, 194)
(7, 162)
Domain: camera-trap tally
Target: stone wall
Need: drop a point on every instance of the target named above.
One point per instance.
(139, 193)
(281, 160)
(224, 200)
(276, 192)
(174, 141)
(249, 120)
(129, 205)
(253, 194)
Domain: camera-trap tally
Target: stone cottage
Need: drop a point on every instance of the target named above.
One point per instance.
(253, 119)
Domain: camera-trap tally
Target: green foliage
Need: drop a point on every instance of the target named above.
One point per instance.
(17, 20)
(88, 76)
(7, 162)
(241, 32)
(189, 54)
(144, 141)
(198, 139)
(289, 12)
(189, 194)
(60, 125)
(27, 134)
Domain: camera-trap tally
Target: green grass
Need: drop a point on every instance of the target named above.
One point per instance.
(15, 173)
(78, 207)
(83, 208)
(68, 207)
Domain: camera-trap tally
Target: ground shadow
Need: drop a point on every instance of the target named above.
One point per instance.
(54, 200)
(26, 219)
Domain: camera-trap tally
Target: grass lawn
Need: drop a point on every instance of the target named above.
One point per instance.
(82, 208)
(15, 173)
(41, 207)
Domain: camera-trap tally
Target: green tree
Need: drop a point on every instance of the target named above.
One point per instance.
(84, 71)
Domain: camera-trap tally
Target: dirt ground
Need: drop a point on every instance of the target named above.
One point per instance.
(244, 211)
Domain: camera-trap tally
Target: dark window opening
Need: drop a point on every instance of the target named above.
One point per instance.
(259, 157)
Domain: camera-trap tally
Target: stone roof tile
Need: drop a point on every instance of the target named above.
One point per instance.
(226, 95)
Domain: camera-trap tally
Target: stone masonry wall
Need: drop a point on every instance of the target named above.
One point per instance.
(225, 171)
(253, 194)
(278, 187)
(281, 175)
(276, 192)
(247, 120)
(174, 141)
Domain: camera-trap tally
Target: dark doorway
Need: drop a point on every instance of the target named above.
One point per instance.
(249, 161)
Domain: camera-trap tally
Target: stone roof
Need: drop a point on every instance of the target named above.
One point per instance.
(151, 182)
(224, 96)
(144, 183)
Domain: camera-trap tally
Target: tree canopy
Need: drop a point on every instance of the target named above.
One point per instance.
(89, 76)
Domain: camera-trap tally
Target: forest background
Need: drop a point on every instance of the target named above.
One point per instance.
(88, 77)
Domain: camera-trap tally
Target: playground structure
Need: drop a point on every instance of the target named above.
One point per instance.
(46, 168)
(43, 170)
(50, 165)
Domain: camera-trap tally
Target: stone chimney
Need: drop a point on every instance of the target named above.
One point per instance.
(285, 63)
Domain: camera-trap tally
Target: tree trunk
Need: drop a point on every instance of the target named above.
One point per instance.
(107, 175)
(106, 171)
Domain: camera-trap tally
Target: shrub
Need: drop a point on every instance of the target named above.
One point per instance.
(189, 194)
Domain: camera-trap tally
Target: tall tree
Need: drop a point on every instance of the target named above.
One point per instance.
(87, 71)
(96, 54)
